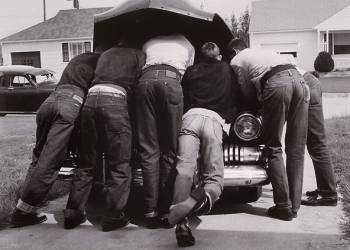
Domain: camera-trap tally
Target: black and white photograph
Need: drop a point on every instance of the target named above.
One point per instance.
(175, 124)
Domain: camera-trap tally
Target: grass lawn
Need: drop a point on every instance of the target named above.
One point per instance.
(17, 141)
(335, 84)
(338, 135)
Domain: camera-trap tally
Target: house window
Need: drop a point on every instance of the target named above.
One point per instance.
(65, 52)
(72, 49)
(341, 43)
(294, 54)
(341, 49)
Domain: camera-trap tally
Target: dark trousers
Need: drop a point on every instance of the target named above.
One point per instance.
(55, 119)
(285, 99)
(317, 142)
(105, 126)
(159, 109)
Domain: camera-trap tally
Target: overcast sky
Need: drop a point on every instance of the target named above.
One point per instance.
(16, 15)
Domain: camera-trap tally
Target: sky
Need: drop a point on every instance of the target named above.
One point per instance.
(16, 15)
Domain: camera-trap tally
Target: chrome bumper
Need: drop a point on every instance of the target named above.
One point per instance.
(244, 166)
(245, 175)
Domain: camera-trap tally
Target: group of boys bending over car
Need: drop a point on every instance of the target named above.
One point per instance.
(176, 112)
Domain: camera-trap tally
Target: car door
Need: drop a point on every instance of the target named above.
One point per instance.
(4, 92)
(22, 94)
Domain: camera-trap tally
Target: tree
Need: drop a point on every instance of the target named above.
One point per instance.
(240, 27)
(234, 25)
(244, 20)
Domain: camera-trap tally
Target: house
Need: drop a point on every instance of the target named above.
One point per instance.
(303, 28)
(51, 44)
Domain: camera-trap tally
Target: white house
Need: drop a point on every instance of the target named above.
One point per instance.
(51, 44)
(303, 28)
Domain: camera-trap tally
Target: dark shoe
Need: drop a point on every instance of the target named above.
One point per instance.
(295, 214)
(21, 219)
(320, 201)
(165, 223)
(280, 213)
(154, 222)
(312, 193)
(184, 235)
(111, 223)
(73, 218)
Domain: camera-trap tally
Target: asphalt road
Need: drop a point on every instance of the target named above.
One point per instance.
(232, 226)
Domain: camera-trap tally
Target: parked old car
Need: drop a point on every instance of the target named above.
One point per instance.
(23, 88)
(245, 163)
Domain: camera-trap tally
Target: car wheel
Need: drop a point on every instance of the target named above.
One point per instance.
(1, 115)
(249, 194)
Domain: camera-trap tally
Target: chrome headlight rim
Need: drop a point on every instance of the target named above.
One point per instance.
(253, 118)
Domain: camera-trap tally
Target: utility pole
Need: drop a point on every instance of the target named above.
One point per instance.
(44, 6)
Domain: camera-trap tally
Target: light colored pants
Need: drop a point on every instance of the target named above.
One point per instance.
(200, 148)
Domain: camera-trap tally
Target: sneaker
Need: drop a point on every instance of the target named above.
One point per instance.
(111, 223)
(280, 213)
(184, 235)
(21, 219)
(320, 201)
(73, 218)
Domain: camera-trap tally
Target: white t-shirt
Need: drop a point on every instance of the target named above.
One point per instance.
(173, 50)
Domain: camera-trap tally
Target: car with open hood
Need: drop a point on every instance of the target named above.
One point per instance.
(24, 88)
(245, 163)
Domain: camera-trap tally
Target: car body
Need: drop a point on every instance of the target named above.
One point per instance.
(23, 88)
(245, 163)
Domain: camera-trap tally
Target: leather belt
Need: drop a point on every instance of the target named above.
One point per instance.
(273, 71)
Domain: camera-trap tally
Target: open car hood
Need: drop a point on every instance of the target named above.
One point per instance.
(24, 70)
(148, 18)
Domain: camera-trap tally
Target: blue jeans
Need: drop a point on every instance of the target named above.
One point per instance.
(317, 142)
(200, 149)
(55, 119)
(159, 109)
(286, 99)
(105, 127)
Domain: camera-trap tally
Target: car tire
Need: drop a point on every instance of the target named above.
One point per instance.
(249, 194)
(1, 115)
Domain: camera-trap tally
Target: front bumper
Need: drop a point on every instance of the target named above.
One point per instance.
(244, 166)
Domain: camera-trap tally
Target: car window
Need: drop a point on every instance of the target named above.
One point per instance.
(49, 78)
(20, 81)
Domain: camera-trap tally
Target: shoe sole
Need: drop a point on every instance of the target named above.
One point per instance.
(319, 204)
(14, 224)
(108, 229)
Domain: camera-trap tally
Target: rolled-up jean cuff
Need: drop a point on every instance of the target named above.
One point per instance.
(214, 190)
(25, 207)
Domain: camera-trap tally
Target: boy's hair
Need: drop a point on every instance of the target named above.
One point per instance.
(236, 43)
(210, 50)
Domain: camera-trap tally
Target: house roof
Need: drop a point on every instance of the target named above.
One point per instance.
(71, 23)
(279, 15)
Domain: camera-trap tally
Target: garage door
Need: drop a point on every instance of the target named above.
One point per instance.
(26, 58)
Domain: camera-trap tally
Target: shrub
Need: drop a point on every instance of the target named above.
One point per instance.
(324, 62)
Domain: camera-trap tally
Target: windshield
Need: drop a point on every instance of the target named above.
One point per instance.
(45, 78)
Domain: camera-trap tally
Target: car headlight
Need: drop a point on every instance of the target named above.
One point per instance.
(247, 127)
